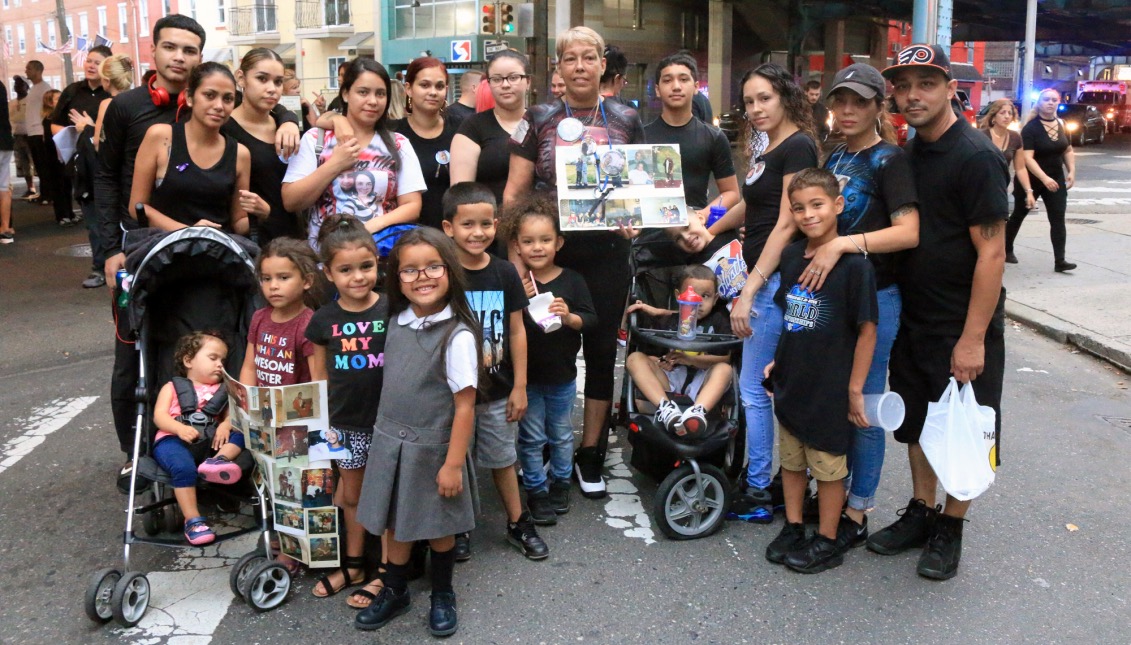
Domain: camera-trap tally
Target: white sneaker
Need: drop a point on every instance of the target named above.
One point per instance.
(694, 419)
(667, 416)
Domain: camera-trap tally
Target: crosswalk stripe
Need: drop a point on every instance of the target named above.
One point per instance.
(39, 424)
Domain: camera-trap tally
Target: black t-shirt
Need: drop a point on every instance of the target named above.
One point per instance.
(355, 361)
(494, 151)
(875, 182)
(457, 113)
(813, 363)
(267, 172)
(1048, 154)
(437, 176)
(551, 359)
(704, 151)
(763, 192)
(77, 96)
(494, 292)
(961, 181)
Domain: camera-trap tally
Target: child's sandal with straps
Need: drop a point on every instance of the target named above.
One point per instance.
(347, 564)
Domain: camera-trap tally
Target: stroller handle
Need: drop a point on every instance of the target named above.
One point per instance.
(669, 340)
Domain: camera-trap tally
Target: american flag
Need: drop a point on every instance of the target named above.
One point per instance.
(65, 49)
(83, 45)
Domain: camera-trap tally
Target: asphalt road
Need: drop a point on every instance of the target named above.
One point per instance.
(1025, 576)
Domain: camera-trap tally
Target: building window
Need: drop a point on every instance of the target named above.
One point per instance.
(51, 38)
(37, 31)
(622, 14)
(332, 64)
(142, 18)
(165, 8)
(102, 20)
(222, 12)
(192, 9)
(435, 18)
(5, 4)
(9, 40)
(84, 25)
(123, 23)
(22, 37)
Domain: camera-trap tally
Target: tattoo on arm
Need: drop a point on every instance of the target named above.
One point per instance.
(990, 231)
(901, 211)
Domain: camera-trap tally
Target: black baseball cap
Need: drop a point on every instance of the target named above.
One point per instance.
(920, 56)
(861, 78)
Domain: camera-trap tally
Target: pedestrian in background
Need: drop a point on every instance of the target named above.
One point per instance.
(17, 118)
(7, 234)
(820, 112)
(33, 120)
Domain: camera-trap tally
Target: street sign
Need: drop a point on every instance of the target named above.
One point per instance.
(494, 46)
(461, 51)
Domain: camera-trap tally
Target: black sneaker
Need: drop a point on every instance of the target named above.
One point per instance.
(791, 538)
(1061, 266)
(753, 505)
(463, 547)
(910, 531)
(587, 468)
(541, 510)
(95, 280)
(1010, 258)
(818, 554)
(559, 497)
(939, 560)
(388, 605)
(849, 534)
(525, 538)
(442, 619)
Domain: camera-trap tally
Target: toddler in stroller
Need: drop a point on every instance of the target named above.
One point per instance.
(191, 417)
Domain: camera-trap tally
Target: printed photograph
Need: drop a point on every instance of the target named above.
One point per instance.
(289, 518)
(239, 420)
(580, 169)
(267, 414)
(288, 485)
(641, 168)
(317, 487)
(237, 392)
(261, 476)
(660, 212)
(328, 444)
(294, 547)
(301, 402)
(623, 212)
(291, 447)
(574, 214)
(261, 439)
(323, 550)
(669, 167)
(322, 521)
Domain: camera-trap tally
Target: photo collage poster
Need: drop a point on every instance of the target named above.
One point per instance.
(288, 432)
(646, 182)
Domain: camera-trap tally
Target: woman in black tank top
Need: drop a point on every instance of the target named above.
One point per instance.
(179, 190)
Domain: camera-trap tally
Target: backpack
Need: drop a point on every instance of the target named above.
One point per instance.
(205, 420)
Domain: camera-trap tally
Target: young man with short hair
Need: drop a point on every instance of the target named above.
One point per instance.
(33, 123)
(953, 319)
(703, 148)
(468, 87)
(820, 112)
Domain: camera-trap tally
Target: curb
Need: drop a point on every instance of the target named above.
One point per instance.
(1060, 330)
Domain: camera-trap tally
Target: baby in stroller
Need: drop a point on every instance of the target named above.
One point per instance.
(191, 417)
(701, 378)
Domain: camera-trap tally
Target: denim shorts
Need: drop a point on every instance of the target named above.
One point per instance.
(494, 443)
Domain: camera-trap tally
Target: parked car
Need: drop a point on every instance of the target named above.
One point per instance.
(731, 123)
(1084, 123)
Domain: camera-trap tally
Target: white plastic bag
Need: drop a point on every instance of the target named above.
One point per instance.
(958, 439)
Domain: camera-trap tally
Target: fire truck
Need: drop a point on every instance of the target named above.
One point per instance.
(1110, 98)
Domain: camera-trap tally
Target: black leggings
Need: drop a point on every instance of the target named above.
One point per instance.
(602, 259)
(1056, 203)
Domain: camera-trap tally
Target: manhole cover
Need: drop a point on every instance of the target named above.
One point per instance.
(75, 251)
(1078, 220)
(1123, 423)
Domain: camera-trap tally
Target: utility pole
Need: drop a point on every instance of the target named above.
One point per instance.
(1030, 57)
(538, 49)
(61, 18)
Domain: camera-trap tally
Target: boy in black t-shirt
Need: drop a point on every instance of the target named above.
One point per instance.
(496, 295)
(703, 378)
(817, 377)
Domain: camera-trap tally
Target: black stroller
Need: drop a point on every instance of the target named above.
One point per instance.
(196, 278)
(694, 473)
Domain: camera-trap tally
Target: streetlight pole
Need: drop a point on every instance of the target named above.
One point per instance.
(1030, 56)
(61, 18)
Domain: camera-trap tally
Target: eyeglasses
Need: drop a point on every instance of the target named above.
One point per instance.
(513, 79)
(433, 271)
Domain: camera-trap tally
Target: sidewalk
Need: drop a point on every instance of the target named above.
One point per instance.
(1090, 307)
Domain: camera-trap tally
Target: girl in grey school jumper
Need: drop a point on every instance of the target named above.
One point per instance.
(416, 486)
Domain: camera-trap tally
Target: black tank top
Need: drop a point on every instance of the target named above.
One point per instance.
(188, 193)
(267, 172)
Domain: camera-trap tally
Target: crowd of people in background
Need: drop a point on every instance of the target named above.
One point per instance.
(901, 249)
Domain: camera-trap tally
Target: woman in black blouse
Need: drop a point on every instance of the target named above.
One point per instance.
(1047, 152)
(426, 83)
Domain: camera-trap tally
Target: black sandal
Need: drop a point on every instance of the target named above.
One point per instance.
(364, 592)
(348, 563)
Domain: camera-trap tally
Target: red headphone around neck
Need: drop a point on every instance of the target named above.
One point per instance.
(159, 95)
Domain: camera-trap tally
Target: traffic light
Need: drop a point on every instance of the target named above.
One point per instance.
(490, 22)
(506, 18)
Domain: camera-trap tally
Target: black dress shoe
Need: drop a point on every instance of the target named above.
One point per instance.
(1061, 266)
(1010, 258)
(463, 547)
(388, 605)
(442, 619)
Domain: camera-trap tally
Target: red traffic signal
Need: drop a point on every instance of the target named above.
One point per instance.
(490, 19)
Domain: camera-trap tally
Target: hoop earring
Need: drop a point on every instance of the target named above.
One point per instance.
(879, 127)
(408, 104)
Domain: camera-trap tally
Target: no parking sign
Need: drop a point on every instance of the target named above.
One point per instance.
(461, 51)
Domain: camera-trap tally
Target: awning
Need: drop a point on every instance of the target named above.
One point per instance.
(221, 55)
(360, 40)
(286, 51)
(965, 72)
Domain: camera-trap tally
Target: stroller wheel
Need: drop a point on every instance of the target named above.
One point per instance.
(683, 511)
(99, 593)
(130, 599)
(153, 521)
(734, 459)
(242, 567)
(174, 521)
(266, 586)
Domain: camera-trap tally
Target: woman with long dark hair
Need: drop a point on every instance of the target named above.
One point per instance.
(191, 173)
(321, 175)
(1047, 152)
(426, 84)
(775, 105)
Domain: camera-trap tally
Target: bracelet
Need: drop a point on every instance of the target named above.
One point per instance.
(858, 246)
(763, 275)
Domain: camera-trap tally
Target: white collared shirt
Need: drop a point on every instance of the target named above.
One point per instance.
(462, 368)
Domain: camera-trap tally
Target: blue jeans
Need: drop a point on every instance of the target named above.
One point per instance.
(548, 420)
(757, 352)
(866, 459)
(172, 454)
